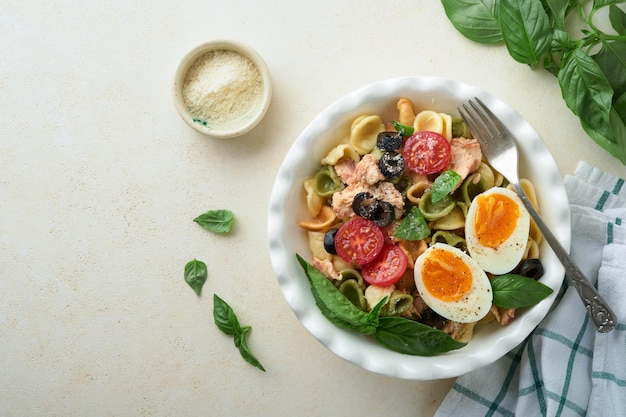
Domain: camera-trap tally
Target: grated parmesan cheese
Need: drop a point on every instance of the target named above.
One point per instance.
(221, 86)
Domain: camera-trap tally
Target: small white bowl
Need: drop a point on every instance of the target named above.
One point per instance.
(244, 120)
(288, 206)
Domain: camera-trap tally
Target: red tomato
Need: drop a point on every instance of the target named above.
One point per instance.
(426, 153)
(387, 268)
(359, 241)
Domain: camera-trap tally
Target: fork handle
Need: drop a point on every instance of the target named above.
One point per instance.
(600, 312)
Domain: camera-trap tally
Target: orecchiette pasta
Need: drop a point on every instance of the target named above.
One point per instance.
(452, 221)
(364, 132)
(415, 191)
(316, 243)
(339, 152)
(322, 221)
(314, 201)
(428, 120)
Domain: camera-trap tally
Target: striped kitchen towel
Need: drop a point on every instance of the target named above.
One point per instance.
(566, 368)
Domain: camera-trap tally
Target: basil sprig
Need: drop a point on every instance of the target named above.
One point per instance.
(395, 333)
(413, 226)
(336, 307)
(517, 291)
(226, 320)
(196, 275)
(444, 184)
(216, 221)
(588, 63)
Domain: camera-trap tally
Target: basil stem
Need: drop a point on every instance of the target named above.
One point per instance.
(196, 275)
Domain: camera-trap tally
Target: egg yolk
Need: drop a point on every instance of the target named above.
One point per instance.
(446, 276)
(495, 219)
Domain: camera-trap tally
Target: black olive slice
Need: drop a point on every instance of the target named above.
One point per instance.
(384, 214)
(432, 319)
(391, 165)
(329, 241)
(364, 204)
(389, 141)
(531, 268)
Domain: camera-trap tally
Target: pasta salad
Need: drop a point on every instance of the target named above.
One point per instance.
(407, 220)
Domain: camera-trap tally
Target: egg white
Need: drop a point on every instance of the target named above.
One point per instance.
(473, 306)
(505, 257)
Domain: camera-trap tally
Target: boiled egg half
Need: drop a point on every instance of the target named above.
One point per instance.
(496, 230)
(452, 284)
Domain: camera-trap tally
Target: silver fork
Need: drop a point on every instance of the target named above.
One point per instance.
(499, 148)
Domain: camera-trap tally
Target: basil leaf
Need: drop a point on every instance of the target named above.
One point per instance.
(195, 275)
(526, 29)
(477, 20)
(612, 62)
(620, 107)
(598, 4)
(374, 315)
(334, 305)
(226, 320)
(413, 338)
(561, 41)
(617, 17)
(587, 92)
(413, 226)
(517, 291)
(216, 221)
(224, 317)
(241, 341)
(558, 10)
(444, 184)
(404, 130)
(616, 143)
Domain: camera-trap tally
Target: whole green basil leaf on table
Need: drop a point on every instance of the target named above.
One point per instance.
(588, 62)
(216, 221)
(196, 275)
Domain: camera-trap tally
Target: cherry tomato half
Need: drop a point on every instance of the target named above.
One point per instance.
(359, 241)
(387, 268)
(426, 153)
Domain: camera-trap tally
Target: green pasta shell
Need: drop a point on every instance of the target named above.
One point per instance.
(327, 182)
(450, 238)
(434, 211)
(351, 274)
(353, 292)
(399, 303)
